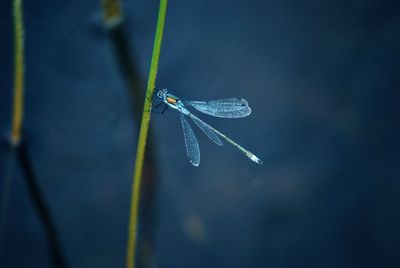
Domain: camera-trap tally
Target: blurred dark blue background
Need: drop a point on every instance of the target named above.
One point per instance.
(322, 78)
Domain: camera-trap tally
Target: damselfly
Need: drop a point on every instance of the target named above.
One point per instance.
(225, 108)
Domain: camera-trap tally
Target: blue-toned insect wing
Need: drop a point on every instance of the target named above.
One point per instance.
(192, 146)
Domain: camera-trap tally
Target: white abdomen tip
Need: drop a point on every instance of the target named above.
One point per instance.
(256, 159)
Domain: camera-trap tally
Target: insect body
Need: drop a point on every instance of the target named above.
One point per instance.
(225, 108)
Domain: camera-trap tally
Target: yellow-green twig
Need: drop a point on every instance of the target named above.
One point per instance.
(134, 212)
(18, 102)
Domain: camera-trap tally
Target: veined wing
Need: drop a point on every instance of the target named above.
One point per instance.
(225, 108)
(206, 129)
(192, 146)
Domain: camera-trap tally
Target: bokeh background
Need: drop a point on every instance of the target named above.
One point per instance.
(322, 78)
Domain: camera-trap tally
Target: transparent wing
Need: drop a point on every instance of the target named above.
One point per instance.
(192, 146)
(207, 130)
(225, 108)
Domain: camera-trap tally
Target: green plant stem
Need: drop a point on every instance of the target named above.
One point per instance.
(126, 58)
(144, 127)
(16, 119)
(17, 150)
(18, 102)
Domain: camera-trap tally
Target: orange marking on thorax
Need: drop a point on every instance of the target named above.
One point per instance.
(171, 100)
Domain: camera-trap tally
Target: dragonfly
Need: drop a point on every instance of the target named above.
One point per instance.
(224, 108)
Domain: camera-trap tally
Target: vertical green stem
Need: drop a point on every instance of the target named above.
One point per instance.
(14, 137)
(144, 127)
(18, 102)
(16, 121)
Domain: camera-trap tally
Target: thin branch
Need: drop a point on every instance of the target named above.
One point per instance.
(127, 61)
(18, 150)
(16, 120)
(41, 207)
(133, 221)
(18, 102)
